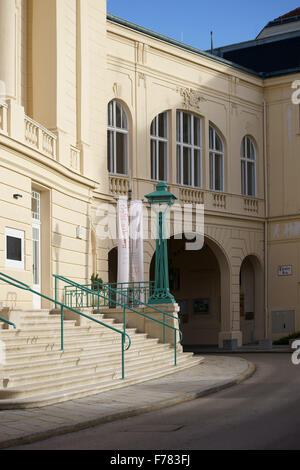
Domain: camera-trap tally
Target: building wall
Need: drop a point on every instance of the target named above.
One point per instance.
(71, 62)
(283, 144)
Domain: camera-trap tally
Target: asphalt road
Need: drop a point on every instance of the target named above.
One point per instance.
(261, 413)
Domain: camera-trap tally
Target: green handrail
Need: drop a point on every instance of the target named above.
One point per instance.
(8, 322)
(20, 285)
(124, 307)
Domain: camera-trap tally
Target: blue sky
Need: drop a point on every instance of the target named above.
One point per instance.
(191, 21)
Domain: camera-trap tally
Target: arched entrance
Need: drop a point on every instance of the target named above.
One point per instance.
(199, 280)
(251, 300)
(113, 265)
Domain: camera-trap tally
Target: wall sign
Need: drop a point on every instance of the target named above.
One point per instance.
(285, 270)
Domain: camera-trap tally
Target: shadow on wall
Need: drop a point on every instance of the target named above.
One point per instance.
(57, 239)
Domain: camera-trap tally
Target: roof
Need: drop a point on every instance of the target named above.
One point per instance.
(246, 57)
(290, 14)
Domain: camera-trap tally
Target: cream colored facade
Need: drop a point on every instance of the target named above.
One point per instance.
(70, 61)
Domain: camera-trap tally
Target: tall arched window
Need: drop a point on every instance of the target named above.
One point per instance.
(216, 160)
(248, 167)
(189, 149)
(117, 139)
(159, 147)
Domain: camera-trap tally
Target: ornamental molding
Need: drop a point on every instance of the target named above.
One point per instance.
(191, 98)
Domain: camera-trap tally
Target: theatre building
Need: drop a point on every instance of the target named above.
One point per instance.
(94, 107)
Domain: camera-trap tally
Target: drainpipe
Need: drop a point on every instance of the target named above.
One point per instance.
(266, 222)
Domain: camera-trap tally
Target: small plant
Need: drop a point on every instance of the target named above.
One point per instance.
(96, 282)
(285, 340)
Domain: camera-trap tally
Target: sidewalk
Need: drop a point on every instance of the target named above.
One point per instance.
(216, 373)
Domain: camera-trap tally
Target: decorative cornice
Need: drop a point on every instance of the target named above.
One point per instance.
(191, 98)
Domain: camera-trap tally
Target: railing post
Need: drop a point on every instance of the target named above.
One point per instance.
(123, 362)
(55, 291)
(62, 327)
(175, 349)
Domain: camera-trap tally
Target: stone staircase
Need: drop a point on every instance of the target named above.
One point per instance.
(37, 373)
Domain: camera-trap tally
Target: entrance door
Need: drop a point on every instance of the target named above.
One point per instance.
(36, 249)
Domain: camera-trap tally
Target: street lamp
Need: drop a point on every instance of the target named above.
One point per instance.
(161, 200)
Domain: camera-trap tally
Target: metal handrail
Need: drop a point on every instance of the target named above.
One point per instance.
(20, 285)
(125, 307)
(8, 322)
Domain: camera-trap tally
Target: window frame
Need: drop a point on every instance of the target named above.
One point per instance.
(156, 139)
(192, 147)
(212, 153)
(245, 161)
(19, 234)
(112, 131)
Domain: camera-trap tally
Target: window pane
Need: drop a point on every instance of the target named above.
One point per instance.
(153, 160)
(118, 115)
(197, 131)
(153, 127)
(162, 125)
(13, 248)
(110, 113)
(211, 139)
(248, 147)
(178, 126)
(252, 151)
(179, 176)
(244, 178)
(219, 144)
(187, 128)
(251, 179)
(187, 166)
(121, 140)
(197, 168)
(162, 161)
(124, 120)
(218, 173)
(110, 151)
(211, 171)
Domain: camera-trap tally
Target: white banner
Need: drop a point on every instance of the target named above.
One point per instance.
(123, 237)
(136, 240)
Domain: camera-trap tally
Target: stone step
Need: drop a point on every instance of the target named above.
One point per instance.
(39, 347)
(18, 364)
(63, 384)
(37, 372)
(85, 367)
(93, 333)
(46, 399)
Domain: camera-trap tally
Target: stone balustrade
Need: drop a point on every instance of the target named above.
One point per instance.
(119, 185)
(3, 117)
(40, 138)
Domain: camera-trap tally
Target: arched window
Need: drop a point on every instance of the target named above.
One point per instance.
(159, 147)
(117, 139)
(189, 149)
(248, 167)
(216, 160)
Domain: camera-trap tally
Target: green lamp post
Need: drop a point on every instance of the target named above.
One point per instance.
(161, 200)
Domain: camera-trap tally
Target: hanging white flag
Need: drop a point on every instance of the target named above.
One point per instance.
(123, 238)
(137, 248)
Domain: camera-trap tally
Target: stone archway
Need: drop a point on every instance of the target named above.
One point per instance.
(251, 300)
(200, 283)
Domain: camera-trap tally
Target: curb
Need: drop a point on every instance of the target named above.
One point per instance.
(130, 413)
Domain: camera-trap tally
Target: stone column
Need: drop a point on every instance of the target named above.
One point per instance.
(8, 49)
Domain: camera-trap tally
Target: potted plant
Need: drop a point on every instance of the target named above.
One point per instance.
(97, 287)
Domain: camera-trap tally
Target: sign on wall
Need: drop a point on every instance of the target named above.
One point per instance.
(285, 270)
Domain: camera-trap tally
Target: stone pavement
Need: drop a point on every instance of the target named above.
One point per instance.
(216, 373)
